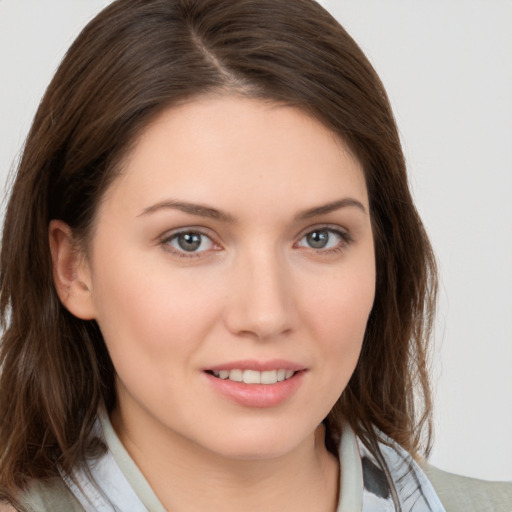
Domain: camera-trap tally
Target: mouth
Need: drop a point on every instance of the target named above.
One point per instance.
(248, 376)
(257, 384)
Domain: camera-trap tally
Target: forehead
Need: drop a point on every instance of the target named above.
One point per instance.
(239, 151)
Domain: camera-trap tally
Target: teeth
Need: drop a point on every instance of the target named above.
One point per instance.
(269, 377)
(254, 376)
(236, 375)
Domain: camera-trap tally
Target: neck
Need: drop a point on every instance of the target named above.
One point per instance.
(305, 479)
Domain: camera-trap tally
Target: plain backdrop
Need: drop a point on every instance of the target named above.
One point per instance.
(447, 66)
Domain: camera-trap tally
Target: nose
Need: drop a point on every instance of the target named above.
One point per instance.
(262, 300)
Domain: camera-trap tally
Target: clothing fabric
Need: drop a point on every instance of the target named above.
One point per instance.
(464, 494)
(113, 483)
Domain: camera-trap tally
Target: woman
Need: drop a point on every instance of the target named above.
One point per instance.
(213, 273)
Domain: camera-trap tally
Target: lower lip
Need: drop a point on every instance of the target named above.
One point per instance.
(257, 395)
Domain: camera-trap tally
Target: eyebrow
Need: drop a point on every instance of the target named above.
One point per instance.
(201, 210)
(331, 207)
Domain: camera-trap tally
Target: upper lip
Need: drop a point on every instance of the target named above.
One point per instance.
(262, 366)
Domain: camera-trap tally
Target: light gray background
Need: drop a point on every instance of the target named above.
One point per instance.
(447, 67)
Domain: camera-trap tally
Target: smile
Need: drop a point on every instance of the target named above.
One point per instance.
(254, 376)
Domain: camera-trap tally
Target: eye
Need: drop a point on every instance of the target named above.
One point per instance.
(189, 242)
(324, 239)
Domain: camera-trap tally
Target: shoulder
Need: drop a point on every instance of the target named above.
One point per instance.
(46, 496)
(459, 493)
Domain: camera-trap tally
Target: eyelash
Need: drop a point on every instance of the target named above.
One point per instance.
(344, 236)
(165, 242)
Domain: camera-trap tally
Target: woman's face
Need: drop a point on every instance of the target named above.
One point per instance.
(236, 248)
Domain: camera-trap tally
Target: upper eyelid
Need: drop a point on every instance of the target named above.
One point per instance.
(335, 228)
(165, 242)
(344, 235)
(168, 235)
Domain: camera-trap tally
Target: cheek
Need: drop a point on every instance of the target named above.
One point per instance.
(337, 315)
(153, 312)
(341, 307)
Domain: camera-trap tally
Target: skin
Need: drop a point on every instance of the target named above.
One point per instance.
(254, 289)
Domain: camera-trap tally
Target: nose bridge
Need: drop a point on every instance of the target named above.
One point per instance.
(262, 302)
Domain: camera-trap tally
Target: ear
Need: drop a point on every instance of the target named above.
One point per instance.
(71, 272)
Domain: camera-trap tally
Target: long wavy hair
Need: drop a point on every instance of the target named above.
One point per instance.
(135, 59)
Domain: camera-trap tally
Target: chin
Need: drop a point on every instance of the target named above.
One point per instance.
(255, 451)
(265, 443)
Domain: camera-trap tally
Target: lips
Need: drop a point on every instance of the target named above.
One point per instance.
(257, 384)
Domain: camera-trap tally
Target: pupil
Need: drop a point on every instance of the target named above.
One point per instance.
(318, 239)
(189, 241)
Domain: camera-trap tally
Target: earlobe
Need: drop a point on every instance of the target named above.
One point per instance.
(71, 273)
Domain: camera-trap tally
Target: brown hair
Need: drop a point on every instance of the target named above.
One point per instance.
(135, 59)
